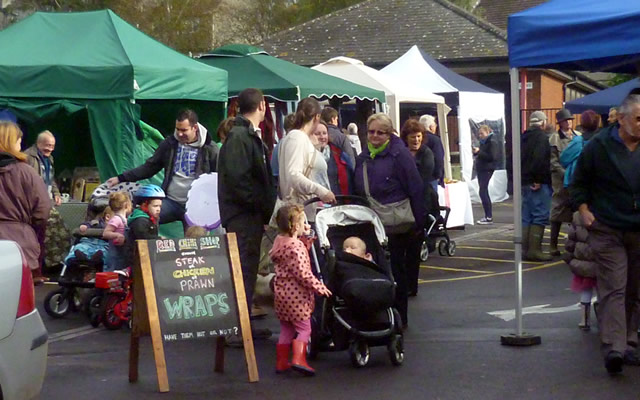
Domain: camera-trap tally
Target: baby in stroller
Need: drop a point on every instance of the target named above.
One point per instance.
(360, 315)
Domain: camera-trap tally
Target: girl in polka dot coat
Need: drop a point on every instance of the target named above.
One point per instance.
(295, 287)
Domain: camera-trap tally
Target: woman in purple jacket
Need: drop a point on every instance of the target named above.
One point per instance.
(393, 176)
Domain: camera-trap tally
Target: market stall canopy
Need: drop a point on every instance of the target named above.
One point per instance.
(590, 35)
(250, 66)
(474, 103)
(421, 71)
(355, 71)
(98, 55)
(603, 100)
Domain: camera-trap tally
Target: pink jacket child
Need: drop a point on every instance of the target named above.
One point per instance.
(295, 287)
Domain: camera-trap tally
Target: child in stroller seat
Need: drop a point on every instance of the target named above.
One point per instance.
(363, 285)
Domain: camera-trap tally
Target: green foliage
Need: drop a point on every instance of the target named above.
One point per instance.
(619, 78)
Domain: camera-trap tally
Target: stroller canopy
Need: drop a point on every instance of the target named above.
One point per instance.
(347, 215)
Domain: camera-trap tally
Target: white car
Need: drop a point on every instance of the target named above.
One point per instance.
(23, 337)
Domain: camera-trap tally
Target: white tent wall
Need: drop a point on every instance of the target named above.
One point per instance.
(477, 106)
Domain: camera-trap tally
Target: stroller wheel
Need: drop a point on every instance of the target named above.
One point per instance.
(442, 247)
(424, 251)
(57, 303)
(94, 311)
(396, 349)
(451, 249)
(359, 353)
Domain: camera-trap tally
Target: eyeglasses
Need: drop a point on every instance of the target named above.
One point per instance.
(375, 132)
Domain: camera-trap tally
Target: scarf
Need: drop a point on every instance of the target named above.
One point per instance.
(373, 151)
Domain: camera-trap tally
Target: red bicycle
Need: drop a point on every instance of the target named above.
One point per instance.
(117, 298)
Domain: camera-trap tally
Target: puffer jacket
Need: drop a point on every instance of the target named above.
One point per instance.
(578, 254)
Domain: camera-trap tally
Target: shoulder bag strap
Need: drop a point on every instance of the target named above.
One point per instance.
(366, 179)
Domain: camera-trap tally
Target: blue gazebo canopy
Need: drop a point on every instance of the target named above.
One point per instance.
(603, 100)
(584, 35)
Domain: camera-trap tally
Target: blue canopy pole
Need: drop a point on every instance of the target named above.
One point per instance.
(519, 338)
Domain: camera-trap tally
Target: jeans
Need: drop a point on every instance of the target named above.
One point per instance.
(248, 229)
(172, 211)
(483, 182)
(536, 205)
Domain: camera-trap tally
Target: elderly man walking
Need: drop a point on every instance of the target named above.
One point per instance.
(606, 187)
(536, 186)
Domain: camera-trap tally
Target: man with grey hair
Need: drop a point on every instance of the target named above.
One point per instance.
(40, 158)
(606, 189)
(536, 186)
(435, 145)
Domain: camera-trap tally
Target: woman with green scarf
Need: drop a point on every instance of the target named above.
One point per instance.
(392, 178)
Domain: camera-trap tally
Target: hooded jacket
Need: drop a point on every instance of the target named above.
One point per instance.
(245, 182)
(393, 176)
(24, 206)
(295, 284)
(175, 183)
(33, 159)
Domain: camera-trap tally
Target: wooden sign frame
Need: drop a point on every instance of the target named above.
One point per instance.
(146, 320)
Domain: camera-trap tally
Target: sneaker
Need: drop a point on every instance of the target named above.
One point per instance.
(485, 221)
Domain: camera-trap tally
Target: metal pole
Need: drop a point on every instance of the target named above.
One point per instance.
(517, 193)
(520, 338)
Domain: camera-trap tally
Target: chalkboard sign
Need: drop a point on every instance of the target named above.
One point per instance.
(194, 290)
(186, 289)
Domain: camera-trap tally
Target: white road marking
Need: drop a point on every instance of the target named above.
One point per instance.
(509, 315)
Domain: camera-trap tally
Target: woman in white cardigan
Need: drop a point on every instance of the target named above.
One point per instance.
(299, 160)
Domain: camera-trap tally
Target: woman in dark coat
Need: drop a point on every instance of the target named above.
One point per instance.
(24, 200)
(392, 177)
(486, 158)
(413, 134)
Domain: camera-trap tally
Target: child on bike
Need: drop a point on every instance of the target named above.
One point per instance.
(143, 222)
(295, 287)
(114, 232)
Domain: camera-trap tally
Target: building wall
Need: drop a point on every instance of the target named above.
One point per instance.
(552, 92)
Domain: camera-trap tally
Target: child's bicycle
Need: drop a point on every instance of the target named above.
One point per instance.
(112, 305)
(76, 275)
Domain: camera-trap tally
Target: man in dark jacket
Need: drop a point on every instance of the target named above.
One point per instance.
(606, 188)
(330, 117)
(536, 186)
(435, 145)
(246, 188)
(184, 156)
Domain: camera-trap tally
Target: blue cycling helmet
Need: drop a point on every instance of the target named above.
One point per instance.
(147, 192)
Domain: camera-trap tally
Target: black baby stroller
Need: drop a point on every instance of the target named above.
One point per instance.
(360, 313)
(437, 228)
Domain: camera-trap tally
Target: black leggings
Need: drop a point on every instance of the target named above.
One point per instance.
(483, 182)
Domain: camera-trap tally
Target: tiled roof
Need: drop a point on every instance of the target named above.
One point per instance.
(379, 31)
(497, 11)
